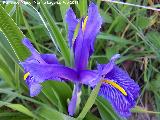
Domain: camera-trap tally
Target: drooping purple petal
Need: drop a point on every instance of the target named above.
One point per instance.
(44, 72)
(124, 80)
(33, 82)
(120, 90)
(35, 89)
(33, 85)
(120, 102)
(72, 22)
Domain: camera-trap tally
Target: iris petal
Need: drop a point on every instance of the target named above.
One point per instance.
(43, 72)
(73, 102)
(89, 77)
(72, 23)
(34, 52)
(124, 80)
(106, 68)
(32, 81)
(84, 43)
(120, 102)
(93, 25)
(35, 89)
(33, 85)
(81, 51)
(48, 58)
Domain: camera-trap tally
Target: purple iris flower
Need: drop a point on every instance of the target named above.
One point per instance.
(117, 87)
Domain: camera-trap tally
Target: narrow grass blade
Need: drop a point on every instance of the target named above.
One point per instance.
(89, 102)
(138, 109)
(19, 108)
(83, 7)
(48, 114)
(56, 33)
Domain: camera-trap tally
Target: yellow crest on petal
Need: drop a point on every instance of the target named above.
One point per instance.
(26, 75)
(77, 29)
(84, 23)
(115, 85)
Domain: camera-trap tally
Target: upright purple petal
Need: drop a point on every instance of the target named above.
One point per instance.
(121, 103)
(93, 25)
(106, 68)
(72, 23)
(84, 43)
(81, 52)
(48, 58)
(34, 52)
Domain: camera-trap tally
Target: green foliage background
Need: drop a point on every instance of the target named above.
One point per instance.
(133, 32)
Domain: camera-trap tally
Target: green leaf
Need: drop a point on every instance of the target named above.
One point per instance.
(64, 8)
(91, 116)
(19, 108)
(59, 40)
(154, 38)
(138, 109)
(89, 102)
(13, 116)
(52, 95)
(49, 114)
(110, 51)
(13, 34)
(142, 22)
(4, 44)
(10, 9)
(83, 7)
(29, 29)
(106, 17)
(31, 12)
(106, 110)
(6, 72)
(113, 38)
